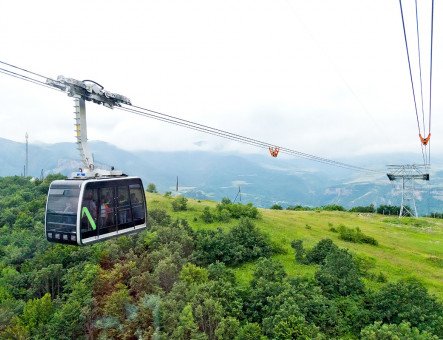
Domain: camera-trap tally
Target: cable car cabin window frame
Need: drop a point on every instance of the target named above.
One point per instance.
(107, 220)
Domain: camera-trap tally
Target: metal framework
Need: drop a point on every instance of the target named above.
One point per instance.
(408, 175)
(82, 91)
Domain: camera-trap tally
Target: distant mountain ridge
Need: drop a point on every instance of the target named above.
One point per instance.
(263, 180)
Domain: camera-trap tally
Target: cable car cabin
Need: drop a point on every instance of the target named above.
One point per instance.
(86, 211)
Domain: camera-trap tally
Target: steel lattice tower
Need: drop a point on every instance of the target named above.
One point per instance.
(408, 175)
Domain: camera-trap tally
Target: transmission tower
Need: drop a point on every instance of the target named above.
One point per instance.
(408, 175)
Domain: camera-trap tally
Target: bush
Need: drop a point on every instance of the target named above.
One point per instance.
(339, 275)
(388, 210)
(298, 208)
(408, 300)
(180, 204)
(355, 236)
(363, 209)
(151, 188)
(391, 331)
(244, 242)
(322, 249)
(276, 207)
(207, 216)
(333, 207)
(227, 210)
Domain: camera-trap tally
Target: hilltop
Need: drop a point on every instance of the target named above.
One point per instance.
(407, 247)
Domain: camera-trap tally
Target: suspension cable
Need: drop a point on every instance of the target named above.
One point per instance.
(28, 79)
(430, 75)
(196, 126)
(419, 66)
(409, 63)
(236, 137)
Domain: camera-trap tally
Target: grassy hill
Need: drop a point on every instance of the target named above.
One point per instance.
(407, 247)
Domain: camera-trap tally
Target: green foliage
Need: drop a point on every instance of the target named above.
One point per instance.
(320, 251)
(380, 331)
(159, 217)
(355, 236)
(408, 300)
(207, 215)
(150, 285)
(388, 210)
(268, 281)
(244, 242)
(187, 327)
(300, 253)
(151, 188)
(251, 331)
(363, 209)
(191, 274)
(36, 315)
(180, 203)
(333, 207)
(338, 274)
(226, 210)
(228, 328)
(299, 208)
(276, 207)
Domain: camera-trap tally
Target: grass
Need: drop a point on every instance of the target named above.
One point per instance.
(407, 247)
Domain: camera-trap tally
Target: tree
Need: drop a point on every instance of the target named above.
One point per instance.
(228, 328)
(180, 203)
(151, 188)
(251, 331)
(36, 314)
(187, 327)
(380, 331)
(322, 249)
(408, 300)
(207, 216)
(276, 207)
(339, 275)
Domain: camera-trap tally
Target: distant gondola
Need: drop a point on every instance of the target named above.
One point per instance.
(84, 211)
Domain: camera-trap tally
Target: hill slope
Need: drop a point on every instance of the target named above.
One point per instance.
(407, 247)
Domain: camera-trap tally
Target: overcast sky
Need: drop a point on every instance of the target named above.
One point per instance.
(324, 77)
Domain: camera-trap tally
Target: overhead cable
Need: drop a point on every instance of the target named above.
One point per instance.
(195, 126)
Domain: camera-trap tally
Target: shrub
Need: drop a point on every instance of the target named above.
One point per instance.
(298, 208)
(244, 242)
(180, 203)
(388, 210)
(151, 188)
(322, 249)
(355, 236)
(207, 216)
(363, 209)
(391, 331)
(339, 275)
(333, 207)
(276, 207)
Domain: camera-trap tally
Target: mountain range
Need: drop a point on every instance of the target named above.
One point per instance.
(257, 178)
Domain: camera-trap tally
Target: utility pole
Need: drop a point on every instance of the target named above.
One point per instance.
(408, 175)
(26, 170)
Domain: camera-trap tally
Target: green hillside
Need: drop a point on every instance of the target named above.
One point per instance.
(253, 274)
(407, 247)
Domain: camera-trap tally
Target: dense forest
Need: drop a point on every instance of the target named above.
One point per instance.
(175, 282)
